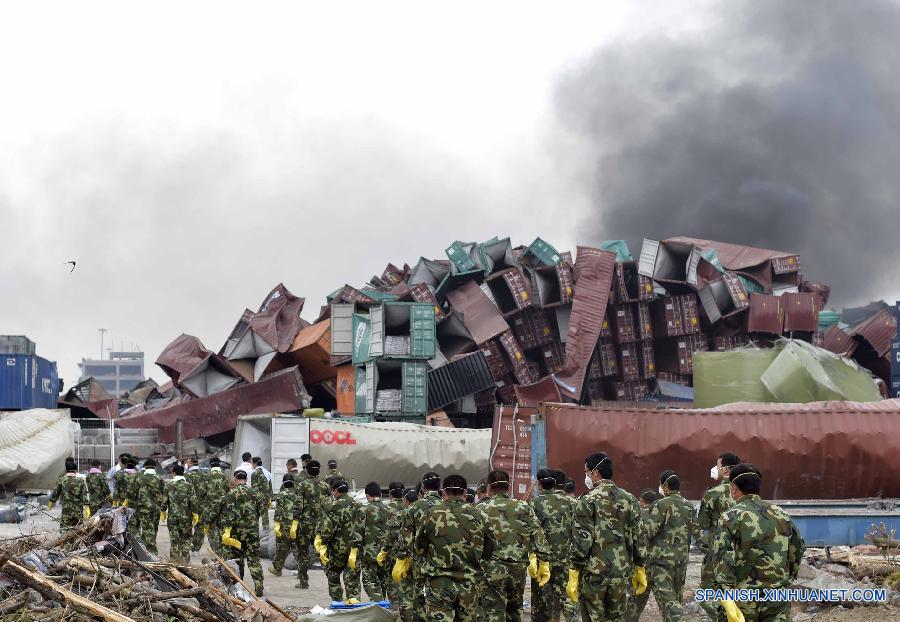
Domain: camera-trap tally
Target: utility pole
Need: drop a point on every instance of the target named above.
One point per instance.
(102, 333)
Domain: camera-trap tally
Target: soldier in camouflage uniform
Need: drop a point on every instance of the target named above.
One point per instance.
(756, 546)
(715, 501)
(669, 524)
(262, 487)
(120, 481)
(333, 474)
(520, 538)
(316, 499)
(217, 486)
(554, 514)
(453, 544)
(147, 491)
(288, 514)
(403, 588)
(197, 479)
(608, 541)
(293, 474)
(368, 538)
(385, 558)
(98, 488)
(415, 514)
(182, 507)
(570, 609)
(71, 491)
(335, 533)
(239, 521)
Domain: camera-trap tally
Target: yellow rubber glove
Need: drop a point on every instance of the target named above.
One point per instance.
(294, 525)
(381, 557)
(125, 503)
(401, 569)
(50, 505)
(351, 560)
(227, 540)
(732, 612)
(572, 585)
(543, 574)
(162, 517)
(639, 581)
(86, 512)
(323, 555)
(205, 530)
(317, 543)
(277, 529)
(532, 566)
(115, 503)
(352, 601)
(195, 518)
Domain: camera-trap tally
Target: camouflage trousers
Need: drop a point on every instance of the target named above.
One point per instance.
(180, 535)
(215, 541)
(71, 517)
(447, 600)
(334, 571)
(148, 523)
(765, 612)
(249, 553)
(403, 596)
(707, 575)
(602, 598)
(501, 596)
(304, 541)
(284, 546)
(550, 601)
(667, 585)
(375, 580)
(198, 537)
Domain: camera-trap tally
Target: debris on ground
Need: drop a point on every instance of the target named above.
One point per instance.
(98, 571)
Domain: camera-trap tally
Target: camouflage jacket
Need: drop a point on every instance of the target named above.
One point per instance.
(71, 491)
(454, 541)
(197, 479)
(98, 489)
(317, 501)
(516, 530)
(148, 492)
(288, 508)
(554, 514)
(241, 509)
(412, 518)
(608, 537)
(262, 486)
(715, 501)
(337, 526)
(120, 485)
(131, 489)
(669, 523)
(756, 545)
(215, 490)
(395, 522)
(180, 502)
(332, 476)
(298, 477)
(371, 530)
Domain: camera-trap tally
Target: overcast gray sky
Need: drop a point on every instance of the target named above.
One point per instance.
(189, 156)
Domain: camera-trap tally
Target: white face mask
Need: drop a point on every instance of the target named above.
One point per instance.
(588, 481)
(714, 472)
(661, 491)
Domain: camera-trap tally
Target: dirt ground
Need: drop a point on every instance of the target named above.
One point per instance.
(281, 590)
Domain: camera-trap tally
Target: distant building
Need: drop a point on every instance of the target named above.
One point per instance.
(121, 372)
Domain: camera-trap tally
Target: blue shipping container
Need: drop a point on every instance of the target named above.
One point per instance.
(27, 382)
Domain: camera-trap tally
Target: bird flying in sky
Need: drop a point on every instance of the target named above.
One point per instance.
(73, 266)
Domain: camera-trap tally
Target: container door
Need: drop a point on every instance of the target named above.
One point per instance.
(362, 334)
(422, 337)
(376, 337)
(647, 262)
(342, 330)
(458, 255)
(371, 386)
(362, 391)
(415, 397)
(290, 439)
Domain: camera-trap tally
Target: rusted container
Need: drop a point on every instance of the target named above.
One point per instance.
(623, 323)
(632, 286)
(554, 358)
(675, 355)
(532, 328)
(801, 312)
(346, 389)
(690, 313)
(648, 361)
(510, 291)
(506, 391)
(643, 322)
(421, 293)
(666, 317)
(626, 391)
(629, 369)
(765, 315)
(785, 265)
(520, 368)
(511, 446)
(496, 359)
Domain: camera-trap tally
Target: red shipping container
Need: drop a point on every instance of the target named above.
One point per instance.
(629, 362)
(554, 357)
(496, 360)
(623, 322)
(517, 358)
(648, 361)
(532, 328)
(511, 446)
(644, 324)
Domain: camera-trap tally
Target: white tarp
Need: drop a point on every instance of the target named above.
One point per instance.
(34, 445)
(385, 452)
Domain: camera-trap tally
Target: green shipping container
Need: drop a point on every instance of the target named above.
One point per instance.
(362, 333)
(459, 255)
(364, 403)
(545, 252)
(415, 387)
(412, 319)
